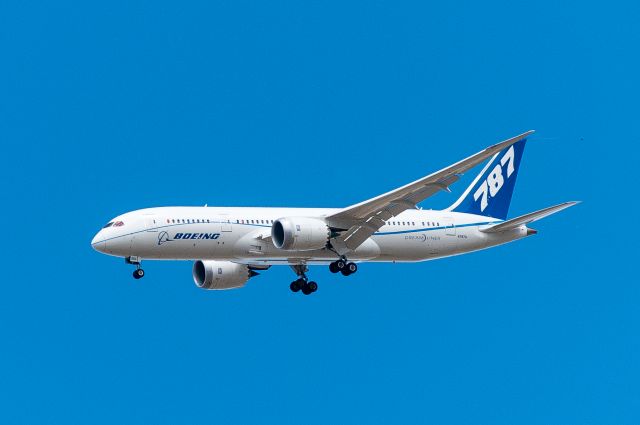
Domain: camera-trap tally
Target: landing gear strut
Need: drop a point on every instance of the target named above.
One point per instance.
(302, 283)
(138, 273)
(344, 267)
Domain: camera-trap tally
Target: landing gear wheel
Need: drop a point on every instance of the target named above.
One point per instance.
(337, 266)
(295, 286)
(306, 289)
(313, 287)
(138, 274)
(350, 268)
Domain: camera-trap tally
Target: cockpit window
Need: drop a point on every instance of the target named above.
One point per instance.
(114, 224)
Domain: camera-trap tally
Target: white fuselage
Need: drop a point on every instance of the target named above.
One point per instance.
(243, 235)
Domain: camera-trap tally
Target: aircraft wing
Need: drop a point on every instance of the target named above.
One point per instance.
(528, 218)
(362, 220)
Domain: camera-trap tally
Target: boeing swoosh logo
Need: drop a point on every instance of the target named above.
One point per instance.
(163, 237)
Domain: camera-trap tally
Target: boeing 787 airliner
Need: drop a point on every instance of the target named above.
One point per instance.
(230, 245)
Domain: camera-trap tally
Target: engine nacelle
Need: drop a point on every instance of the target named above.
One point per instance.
(220, 274)
(299, 234)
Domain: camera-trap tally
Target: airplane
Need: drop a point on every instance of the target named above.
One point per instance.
(230, 245)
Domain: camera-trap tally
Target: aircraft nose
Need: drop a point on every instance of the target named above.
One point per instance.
(98, 242)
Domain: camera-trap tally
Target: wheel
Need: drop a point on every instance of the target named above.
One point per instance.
(352, 267)
(333, 268)
(295, 286)
(138, 274)
(313, 287)
(306, 289)
(340, 264)
(349, 268)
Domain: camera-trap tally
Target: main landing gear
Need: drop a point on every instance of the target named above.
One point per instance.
(138, 273)
(302, 283)
(343, 267)
(309, 287)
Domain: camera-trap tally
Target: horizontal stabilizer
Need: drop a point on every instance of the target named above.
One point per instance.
(528, 218)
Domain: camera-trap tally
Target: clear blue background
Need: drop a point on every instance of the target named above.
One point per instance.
(107, 107)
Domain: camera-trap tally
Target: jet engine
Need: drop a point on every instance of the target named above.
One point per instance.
(221, 274)
(300, 234)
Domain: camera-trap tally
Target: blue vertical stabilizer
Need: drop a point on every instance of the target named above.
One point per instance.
(491, 191)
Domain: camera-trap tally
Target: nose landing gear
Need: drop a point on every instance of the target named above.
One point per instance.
(138, 273)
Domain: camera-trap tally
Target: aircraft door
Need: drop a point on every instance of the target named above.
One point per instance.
(225, 223)
(450, 241)
(151, 223)
(450, 228)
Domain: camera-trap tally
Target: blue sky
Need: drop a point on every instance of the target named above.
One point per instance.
(113, 106)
